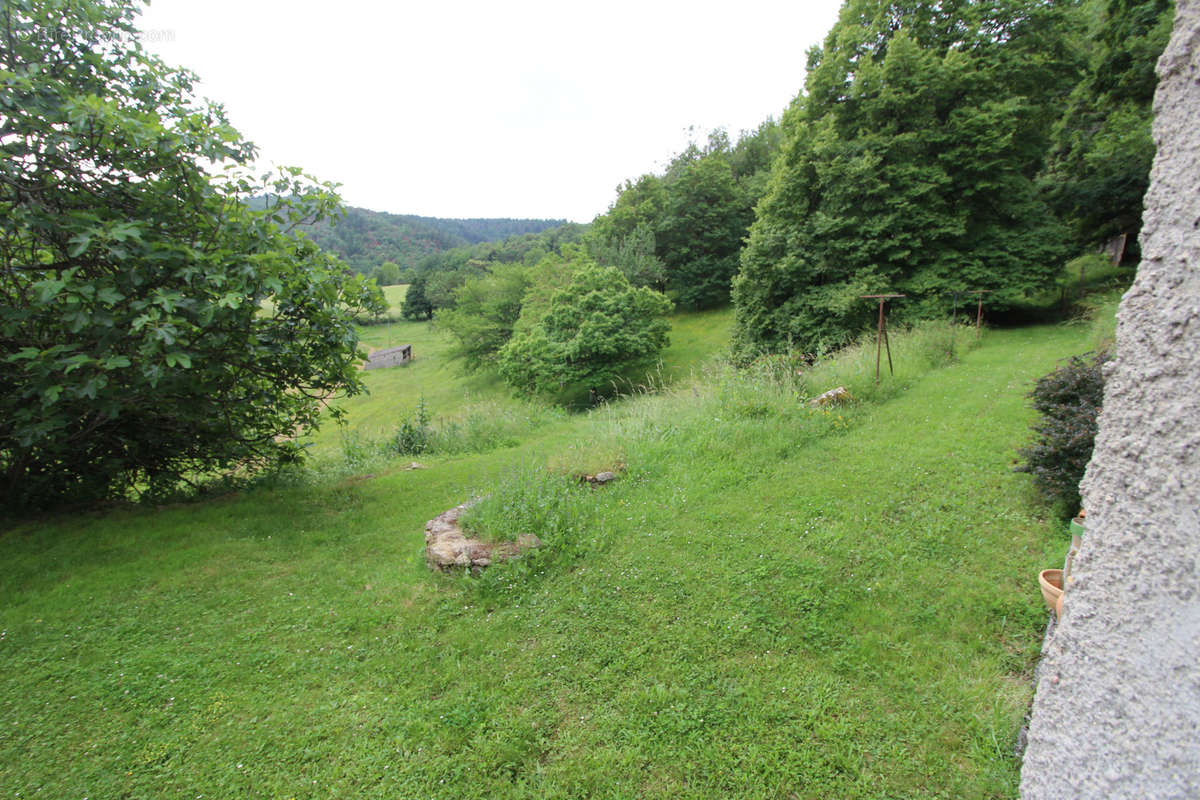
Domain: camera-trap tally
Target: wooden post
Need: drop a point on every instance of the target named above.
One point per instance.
(979, 310)
(881, 337)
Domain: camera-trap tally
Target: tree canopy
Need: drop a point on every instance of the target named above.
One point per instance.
(154, 328)
(589, 334)
(1099, 162)
(693, 218)
(908, 166)
(485, 312)
(365, 239)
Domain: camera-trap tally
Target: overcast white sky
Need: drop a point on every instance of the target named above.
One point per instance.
(526, 108)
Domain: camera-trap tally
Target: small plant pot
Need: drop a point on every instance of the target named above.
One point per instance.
(1077, 526)
(1051, 581)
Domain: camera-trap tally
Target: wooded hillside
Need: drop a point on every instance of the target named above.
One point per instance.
(366, 239)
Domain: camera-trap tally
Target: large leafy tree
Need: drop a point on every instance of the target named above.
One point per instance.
(154, 328)
(486, 308)
(387, 274)
(695, 216)
(1099, 165)
(907, 167)
(416, 304)
(595, 330)
(700, 232)
(634, 254)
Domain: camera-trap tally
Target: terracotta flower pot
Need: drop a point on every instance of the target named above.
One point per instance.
(1077, 526)
(1051, 581)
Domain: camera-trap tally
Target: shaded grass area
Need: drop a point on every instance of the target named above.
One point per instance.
(772, 602)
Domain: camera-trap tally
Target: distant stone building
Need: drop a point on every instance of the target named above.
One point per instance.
(391, 357)
(1117, 711)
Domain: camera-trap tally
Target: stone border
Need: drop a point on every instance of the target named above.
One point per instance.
(447, 547)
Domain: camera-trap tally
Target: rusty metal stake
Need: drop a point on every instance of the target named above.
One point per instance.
(881, 337)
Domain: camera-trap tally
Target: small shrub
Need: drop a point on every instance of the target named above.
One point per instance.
(414, 434)
(939, 344)
(1068, 400)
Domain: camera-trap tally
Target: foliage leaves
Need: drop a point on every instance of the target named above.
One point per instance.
(694, 216)
(907, 168)
(1099, 163)
(416, 304)
(590, 334)
(135, 351)
(1069, 401)
(487, 308)
(366, 239)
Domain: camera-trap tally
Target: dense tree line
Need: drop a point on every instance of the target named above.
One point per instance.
(1098, 168)
(937, 148)
(438, 276)
(681, 231)
(929, 154)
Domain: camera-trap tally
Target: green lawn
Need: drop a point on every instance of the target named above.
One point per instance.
(773, 602)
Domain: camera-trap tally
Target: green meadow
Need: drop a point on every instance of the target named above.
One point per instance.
(772, 601)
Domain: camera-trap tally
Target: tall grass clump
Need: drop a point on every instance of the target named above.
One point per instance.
(728, 412)
(486, 426)
(567, 516)
(534, 500)
(1100, 315)
(477, 428)
(915, 350)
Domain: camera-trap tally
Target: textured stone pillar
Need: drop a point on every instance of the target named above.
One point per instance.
(1117, 711)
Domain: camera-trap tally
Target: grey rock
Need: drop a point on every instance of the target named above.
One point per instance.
(447, 547)
(832, 397)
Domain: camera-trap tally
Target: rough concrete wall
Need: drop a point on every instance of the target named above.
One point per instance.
(1117, 711)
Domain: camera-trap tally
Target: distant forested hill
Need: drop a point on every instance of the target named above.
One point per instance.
(366, 239)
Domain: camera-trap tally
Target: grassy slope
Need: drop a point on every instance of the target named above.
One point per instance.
(770, 605)
(448, 391)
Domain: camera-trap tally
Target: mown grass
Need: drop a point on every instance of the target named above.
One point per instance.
(773, 601)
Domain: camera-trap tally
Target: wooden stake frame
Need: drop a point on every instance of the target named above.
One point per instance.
(881, 338)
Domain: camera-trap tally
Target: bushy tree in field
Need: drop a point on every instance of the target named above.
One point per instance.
(1068, 402)
(695, 215)
(633, 254)
(486, 309)
(639, 203)
(154, 328)
(416, 304)
(387, 273)
(908, 167)
(592, 332)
